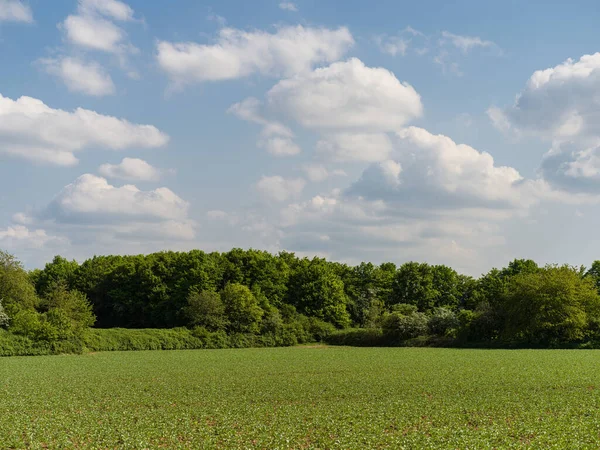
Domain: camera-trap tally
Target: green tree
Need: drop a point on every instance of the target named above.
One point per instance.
(4, 319)
(316, 290)
(401, 326)
(594, 274)
(442, 321)
(205, 309)
(62, 304)
(16, 290)
(59, 271)
(550, 305)
(241, 308)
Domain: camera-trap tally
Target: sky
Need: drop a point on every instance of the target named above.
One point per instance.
(464, 133)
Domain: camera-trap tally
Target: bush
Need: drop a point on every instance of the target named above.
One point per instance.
(358, 337)
(4, 319)
(319, 329)
(442, 322)
(402, 327)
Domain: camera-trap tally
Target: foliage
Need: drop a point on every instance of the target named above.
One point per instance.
(205, 309)
(16, 290)
(72, 306)
(550, 305)
(442, 322)
(252, 297)
(403, 327)
(4, 319)
(316, 290)
(241, 309)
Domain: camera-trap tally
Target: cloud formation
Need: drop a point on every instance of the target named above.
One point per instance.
(79, 76)
(347, 95)
(275, 137)
(93, 26)
(560, 105)
(15, 11)
(279, 189)
(31, 130)
(131, 169)
(238, 54)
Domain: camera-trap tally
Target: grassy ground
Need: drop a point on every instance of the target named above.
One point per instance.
(303, 397)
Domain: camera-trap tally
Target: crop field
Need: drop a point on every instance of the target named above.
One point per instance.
(303, 397)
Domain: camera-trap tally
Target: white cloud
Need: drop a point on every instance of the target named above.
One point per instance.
(573, 167)
(281, 146)
(366, 147)
(560, 105)
(92, 27)
(288, 6)
(131, 169)
(19, 236)
(238, 53)
(15, 11)
(111, 8)
(91, 199)
(22, 219)
(434, 171)
(32, 130)
(557, 103)
(90, 213)
(80, 76)
(347, 95)
(276, 138)
(317, 173)
(392, 45)
(279, 189)
(466, 43)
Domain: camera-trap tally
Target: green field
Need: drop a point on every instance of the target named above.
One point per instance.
(303, 397)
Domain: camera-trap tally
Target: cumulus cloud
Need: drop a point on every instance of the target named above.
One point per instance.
(557, 103)
(317, 173)
(365, 147)
(110, 8)
(20, 236)
(281, 146)
(573, 167)
(279, 189)
(93, 27)
(15, 11)
(80, 76)
(560, 105)
(31, 130)
(275, 137)
(237, 53)
(122, 219)
(131, 169)
(288, 6)
(434, 171)
(347, 95)
(91, 199)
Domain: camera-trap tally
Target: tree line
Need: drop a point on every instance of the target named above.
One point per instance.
(281, 299)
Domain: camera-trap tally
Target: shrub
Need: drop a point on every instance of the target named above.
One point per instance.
(442, 321)
(4, 319)
(359, 337)
(402, 327)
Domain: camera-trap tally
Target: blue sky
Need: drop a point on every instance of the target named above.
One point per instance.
(464, 133)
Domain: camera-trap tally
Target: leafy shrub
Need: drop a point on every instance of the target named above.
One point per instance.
(4, 319)
(359, 337)
(442, 321)
(402, 327)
